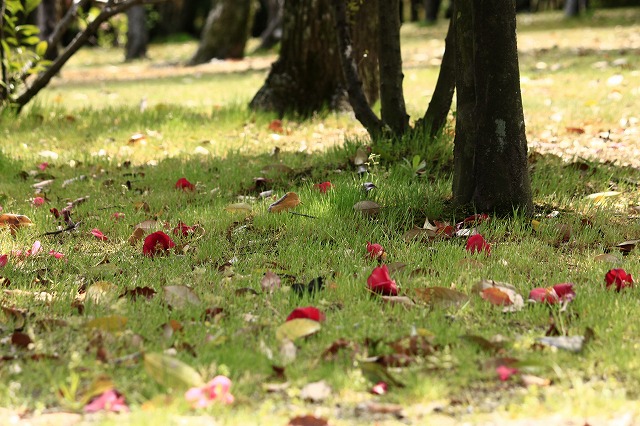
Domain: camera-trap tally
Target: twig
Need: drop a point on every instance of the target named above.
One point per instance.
(302, 214)
(67, 229)
(4, 84)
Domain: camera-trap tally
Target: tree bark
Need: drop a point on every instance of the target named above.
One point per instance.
(307, 76)
(431, 9)
(137, 33)
(573, 8)
(47, 19)
(225, 32)
(490, 147)
(436, 115)
(272, 34)
(393, 110)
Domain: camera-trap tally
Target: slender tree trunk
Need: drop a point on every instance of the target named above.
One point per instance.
(226, 31)
(137, 33)
(48, 15)
(490, 152)
(272, 34)
(307, 76)
(431, 9)
(393, 109)
(3, 70)
(436, 116)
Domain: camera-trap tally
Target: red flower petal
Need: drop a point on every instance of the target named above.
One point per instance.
(542, 295)
(56, 254)
(565, 291)
(379, 388)
(110, 400)
(4, 259)
(375, 250)
(380, 282)
(185, 185)
(43, 166)
(505, 372)
(157, 243)
(308, 312)
(619, 277)
(37, 201)
(183, 229)
(98, 234)
(323, 187)
(477, 244)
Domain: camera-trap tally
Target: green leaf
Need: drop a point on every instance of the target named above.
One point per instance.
(30, 41)
(30, 5)
(171, 372)
(41, 48)
(28, 30)
(294, 329)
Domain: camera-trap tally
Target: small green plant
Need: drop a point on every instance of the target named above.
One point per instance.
(21, 48)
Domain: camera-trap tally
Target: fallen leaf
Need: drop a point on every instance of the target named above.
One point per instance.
(600, 197)
(567, 343)
(496, 297)
(102, 292)
(20, 340)
(398, 300)
(308, 420)
(287, 202)
(136, 138)
(14, 221)
(276, 126)
(239, 208)
(270, 282)
(377, 373)
(361, 156)
(146, 292)
(441, 296)
(109, 323)
(180, 296)
(171, 372)
(136, 236)
(297, 328)
(607, 257)
(367, 208)
(530, 380)
(316, 391)
(483, 343)
(500, 294)
(627, 246)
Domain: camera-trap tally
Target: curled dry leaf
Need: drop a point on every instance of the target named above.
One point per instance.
(287, 202)
(308, 420)
(398, 300)
(14, 221)
(180, 296)
(626, 246)
(367, 208)
(270, 282)
(500, 294)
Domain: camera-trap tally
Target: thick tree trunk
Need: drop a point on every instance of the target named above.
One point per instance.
(48, 16)
(307, 76)
(436, 116)
(137, 34)
(393, 109)
(490, 152)
(225, 32)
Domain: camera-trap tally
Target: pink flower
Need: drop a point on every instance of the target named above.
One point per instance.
(185, 185)
(380, 282)
(110, 400)
(477, 244)
(559, 292)
(43, 166)
(56, 254)
(619, 277)
(323, 187)
(216, 390)
(505, 372)
(37, 201)
(376, 251)
(98, 234)
(117, 216)
(308, 312)
(35, 249)
(4, 259)
(157, 243)
(183, 229)
(379, 388)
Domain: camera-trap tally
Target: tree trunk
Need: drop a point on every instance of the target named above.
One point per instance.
(307, 76)
(490, 152)
(48, 16)
(573, 8)
(225, 32)
(431, 9)
(393, 110)
(272, 33)
(137, 34)
(436, 116)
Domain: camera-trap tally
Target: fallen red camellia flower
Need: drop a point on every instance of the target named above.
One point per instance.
(183, 229)
(619, 277)
(157, 243)
(505, 372)
(4, 259)
(308, 312)
(380, 282)
(215, 390)
(477, 244)
(559, 292)
(379, 388)
(375, 250)
(185, 185)
(110, 400)
(37, 201)
(323, 187)
(98, 234)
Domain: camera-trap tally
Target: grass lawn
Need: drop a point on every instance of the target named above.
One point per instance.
(86, 311)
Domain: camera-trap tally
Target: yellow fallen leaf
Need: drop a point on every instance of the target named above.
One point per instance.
(287, 202)
(239, 208)
(14, 220)
(108, 323)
